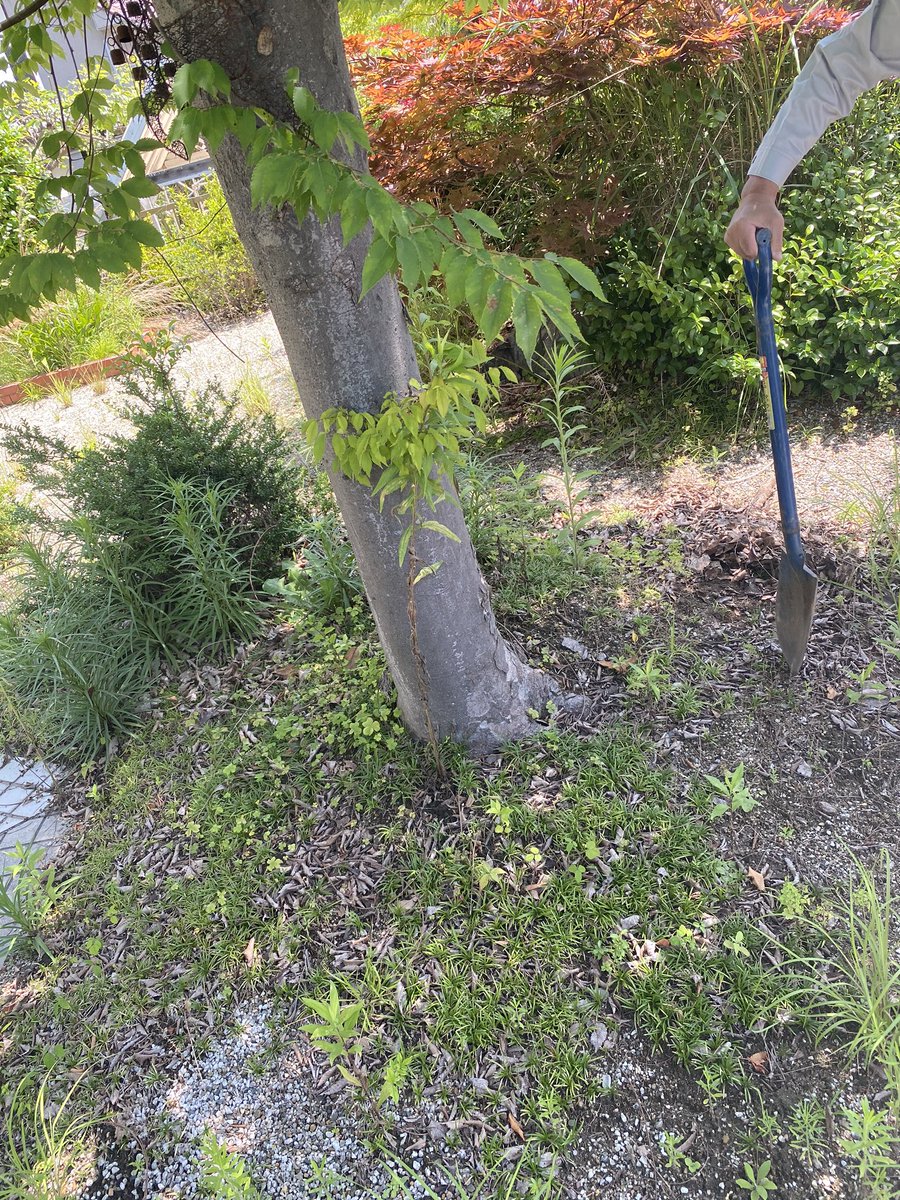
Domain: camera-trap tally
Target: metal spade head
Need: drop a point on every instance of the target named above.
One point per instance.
(794, 608)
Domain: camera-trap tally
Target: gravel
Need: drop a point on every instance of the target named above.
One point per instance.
(251, 345)
(262, 1095)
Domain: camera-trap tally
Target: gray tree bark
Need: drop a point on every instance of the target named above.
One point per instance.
(463, 681)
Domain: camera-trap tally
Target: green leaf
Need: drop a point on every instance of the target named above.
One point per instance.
(145, 232)
(549, 278)
(484, 222)
(455, 270)
(87, 270)
(187, 128)
(109, 257)
(354, 212)
(496, 309)
(437, 527)
(382, 209)
(404, 542)
(583, 276)
(479, 278)
(380, 261)
(527, 318)
(139, 186)
(273, 178)
(197, 76)
(408, 257)
(431, 569)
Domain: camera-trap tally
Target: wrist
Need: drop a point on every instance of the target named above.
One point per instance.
(758, 188)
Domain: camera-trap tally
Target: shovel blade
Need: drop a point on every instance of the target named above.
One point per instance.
(794, 608)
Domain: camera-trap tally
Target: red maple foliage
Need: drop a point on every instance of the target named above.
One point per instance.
(455, 115)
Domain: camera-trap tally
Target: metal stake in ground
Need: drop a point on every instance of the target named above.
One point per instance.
(796, 600)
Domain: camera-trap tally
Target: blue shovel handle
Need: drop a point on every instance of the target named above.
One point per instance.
(759, 281)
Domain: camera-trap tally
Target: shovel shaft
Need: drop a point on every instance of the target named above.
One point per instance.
(759, 281)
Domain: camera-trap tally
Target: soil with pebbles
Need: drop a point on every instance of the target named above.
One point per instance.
(263, 1097)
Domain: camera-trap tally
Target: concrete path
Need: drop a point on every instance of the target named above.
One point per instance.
(26, 819)
(25, 815)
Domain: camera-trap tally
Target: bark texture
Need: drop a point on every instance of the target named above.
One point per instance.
(343, 352)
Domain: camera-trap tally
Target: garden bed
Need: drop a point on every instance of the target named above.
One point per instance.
(104, 368)
(506, 930)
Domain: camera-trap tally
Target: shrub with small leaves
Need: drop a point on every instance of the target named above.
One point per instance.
(202, 439)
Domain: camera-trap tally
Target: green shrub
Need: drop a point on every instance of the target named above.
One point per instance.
(82, 326)
(20, 173)
(162, 538)
(203, 260)
(676, 299)
(202, 439)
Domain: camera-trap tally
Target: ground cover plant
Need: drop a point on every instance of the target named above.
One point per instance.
(475, 960)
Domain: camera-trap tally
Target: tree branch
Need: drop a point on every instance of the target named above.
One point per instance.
(22, 14)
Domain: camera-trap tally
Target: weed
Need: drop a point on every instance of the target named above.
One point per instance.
(792, 900)
(63, 393)
(806, 1124)
(28, 894)
(254, 394)
(557, 368)
(394, 1077)
(648, 677)
(757, 1181)
(676, 1154)
(48, 1144)
(336, 1030)
(853, 988)
(878, 506)
(873, 1146)
(223, 1174)
(499, 1184)
(736, 796)
(325, 581)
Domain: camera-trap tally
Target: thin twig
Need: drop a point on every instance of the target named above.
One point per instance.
(22, 15)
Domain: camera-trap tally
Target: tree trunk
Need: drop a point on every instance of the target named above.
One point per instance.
(456, 677)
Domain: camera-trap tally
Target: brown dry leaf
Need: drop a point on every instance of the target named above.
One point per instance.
(757, 879)
(516, 1127)
(759, 1061)
(352, 657)
(250, 953)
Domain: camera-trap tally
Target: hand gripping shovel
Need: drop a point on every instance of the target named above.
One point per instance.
(796, 600)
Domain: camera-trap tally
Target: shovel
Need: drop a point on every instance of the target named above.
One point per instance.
(796, 599)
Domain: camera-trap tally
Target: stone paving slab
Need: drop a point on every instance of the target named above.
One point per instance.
(25, 816)
(26, 819)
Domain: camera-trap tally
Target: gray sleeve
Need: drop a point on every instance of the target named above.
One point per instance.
(839, 70)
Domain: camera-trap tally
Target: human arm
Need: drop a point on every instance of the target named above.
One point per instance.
(843, 66)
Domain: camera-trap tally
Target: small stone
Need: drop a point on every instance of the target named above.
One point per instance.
(576, 647)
